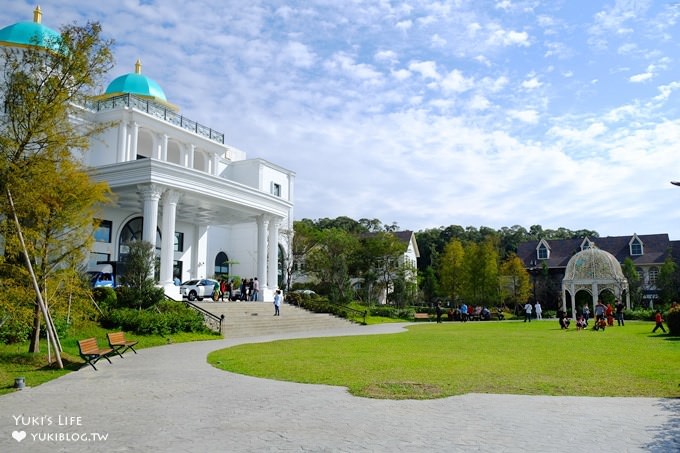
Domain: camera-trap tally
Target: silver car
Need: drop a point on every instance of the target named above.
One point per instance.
(198, 289)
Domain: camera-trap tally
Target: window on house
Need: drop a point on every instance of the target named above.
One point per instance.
(542, 252)
(636, 247)
(103, 232)
(221, 264)
(276, 189)
(179, 242)
(653, 274)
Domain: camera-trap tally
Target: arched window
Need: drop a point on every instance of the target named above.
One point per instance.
(221, 264)
(132, 231)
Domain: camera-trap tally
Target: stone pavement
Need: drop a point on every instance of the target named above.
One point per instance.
(169, 399)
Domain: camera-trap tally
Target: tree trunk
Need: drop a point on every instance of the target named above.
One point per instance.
(34, 344)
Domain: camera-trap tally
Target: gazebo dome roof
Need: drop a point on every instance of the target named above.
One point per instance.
(593, 264)
(136, 83)
(29, 34)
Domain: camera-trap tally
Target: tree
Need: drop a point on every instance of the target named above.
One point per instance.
(138, 288)
(378, 259)
(452, 270)
(515, 284)
(330, 261)
(668, 281)
(42, 91)
(481, 273)
(634, 281)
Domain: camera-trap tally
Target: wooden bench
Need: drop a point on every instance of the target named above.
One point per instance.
(418, 316)
(119, 344)
(91, 353)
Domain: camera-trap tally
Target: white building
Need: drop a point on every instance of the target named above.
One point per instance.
(209, 210)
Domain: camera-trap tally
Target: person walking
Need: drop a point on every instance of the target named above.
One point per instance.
(527, 312)
(586, 314)
(277, 303)
(538, 310)
(659, 322)
(619, 312)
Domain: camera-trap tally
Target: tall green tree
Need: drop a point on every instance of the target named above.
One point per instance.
(330, 262)
(668, 281)
(515, 284)
(42, 91)
(634, 281)
(452, 273)
(481, 271)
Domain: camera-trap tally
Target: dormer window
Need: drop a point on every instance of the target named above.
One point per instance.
(587, 244)
(636, 246)
(543, 250)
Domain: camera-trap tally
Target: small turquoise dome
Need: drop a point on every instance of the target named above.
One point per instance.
(30, 34)
(136, 83)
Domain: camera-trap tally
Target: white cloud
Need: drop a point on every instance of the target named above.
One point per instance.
(427, 69)
(501, 37)
(456, 82)
(527, 116)
(479, 102)
(385, 55)
(438, 41)
(531, 83)
(404, 25)
(642, 77)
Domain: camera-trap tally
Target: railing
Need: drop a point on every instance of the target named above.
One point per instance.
(156, 110)
(211, 320)
(362, 313)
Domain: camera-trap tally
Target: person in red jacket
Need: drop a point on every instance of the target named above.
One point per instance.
(659, 322)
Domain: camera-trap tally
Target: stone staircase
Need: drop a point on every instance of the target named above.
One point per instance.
(248, 319)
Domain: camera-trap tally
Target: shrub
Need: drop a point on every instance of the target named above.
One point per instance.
(673, 320)
(165, 318)
(639, 314)
(105, 297)
(145, 297)
(14, 330)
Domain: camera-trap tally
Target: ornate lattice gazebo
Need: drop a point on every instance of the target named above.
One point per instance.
(593, 270)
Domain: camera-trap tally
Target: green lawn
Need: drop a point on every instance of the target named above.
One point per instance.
(16, 362)
(438, 360)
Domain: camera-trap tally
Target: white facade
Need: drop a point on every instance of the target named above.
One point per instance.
(178, 185)
(179, 181)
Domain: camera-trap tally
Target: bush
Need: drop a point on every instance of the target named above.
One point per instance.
(14, 330)
(105, 297)
(145, 297)
(639, 314)
(165, 318)
(673, 320)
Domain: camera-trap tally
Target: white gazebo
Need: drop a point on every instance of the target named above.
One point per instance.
(593, 270)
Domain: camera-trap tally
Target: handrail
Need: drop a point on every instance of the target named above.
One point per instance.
(361, 312)
(211, 320)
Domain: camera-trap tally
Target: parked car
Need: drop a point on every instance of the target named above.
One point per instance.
(102, 277)
(197, 289)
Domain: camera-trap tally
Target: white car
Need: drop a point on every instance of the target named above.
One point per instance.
(198, 289)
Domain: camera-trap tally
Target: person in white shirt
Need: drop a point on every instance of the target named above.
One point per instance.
(527, 312)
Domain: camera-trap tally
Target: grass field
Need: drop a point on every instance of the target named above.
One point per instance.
(439, 360)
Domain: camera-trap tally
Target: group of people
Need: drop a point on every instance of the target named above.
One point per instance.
(528, 309)
(465, 313)
(249, 290)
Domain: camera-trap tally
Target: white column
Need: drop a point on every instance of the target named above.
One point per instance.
(150, 194)
(262, 249)
(170, 199)
(122, 142)
(164, 148)
(199, 252)
(273, 252)
(190, 161)
(133, 141)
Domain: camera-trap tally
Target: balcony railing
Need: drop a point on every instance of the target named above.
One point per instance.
(158, 111)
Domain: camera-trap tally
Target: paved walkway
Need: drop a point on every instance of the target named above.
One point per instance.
(168, 399)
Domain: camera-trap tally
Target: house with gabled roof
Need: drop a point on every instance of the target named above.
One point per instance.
(648, 252)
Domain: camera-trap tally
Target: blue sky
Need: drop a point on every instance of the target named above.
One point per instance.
(562, 113)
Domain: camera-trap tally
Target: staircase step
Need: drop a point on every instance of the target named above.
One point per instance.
(246, 319)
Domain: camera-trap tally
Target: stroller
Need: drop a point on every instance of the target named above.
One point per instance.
(600, 323)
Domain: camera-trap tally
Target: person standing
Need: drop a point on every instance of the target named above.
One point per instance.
(599, 311)
(659, 322)
(586, 314)
(438, 311)
(538, 310)
(277, 303)
(527, 312)
(256, 289)
(619, 312)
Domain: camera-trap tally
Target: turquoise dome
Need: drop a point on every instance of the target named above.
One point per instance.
(30, 34)
(134, 83)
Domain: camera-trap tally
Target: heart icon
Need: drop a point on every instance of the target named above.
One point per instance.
(19, 435)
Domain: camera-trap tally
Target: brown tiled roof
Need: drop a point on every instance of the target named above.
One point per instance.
(655, 249)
